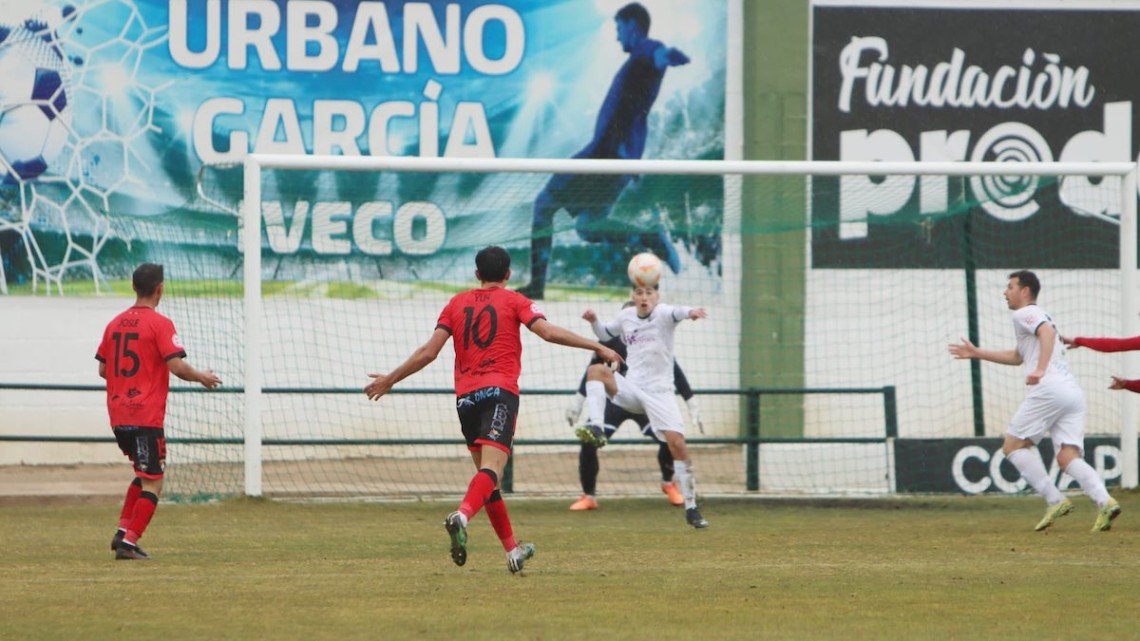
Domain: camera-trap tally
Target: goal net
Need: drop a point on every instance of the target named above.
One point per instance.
(833, 291)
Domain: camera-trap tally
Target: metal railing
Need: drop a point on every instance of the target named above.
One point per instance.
(751, 433)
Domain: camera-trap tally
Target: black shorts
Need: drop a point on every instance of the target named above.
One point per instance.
(145, 447)
(616, 415)
(487, 417)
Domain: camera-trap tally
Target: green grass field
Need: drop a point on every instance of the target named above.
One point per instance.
(928, 568)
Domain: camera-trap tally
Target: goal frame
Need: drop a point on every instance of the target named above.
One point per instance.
(251, 218)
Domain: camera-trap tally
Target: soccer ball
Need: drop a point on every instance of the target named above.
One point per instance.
(35, 112)
(644, 270)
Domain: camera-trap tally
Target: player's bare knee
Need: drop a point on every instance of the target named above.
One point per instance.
(1067, 454)
(1012, 444)
(154, 486)
(677, 445)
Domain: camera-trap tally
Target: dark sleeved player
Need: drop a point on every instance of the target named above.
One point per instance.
(139, 351)
(620, 132)
(483, 325)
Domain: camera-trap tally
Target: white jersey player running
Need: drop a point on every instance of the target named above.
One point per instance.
(647, 388)
(1054, 405)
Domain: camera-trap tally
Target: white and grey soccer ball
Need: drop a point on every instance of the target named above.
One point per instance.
(35, 105)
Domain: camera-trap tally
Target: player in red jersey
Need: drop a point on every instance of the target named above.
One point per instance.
(484, 326)
(1110, 345)
(139, 351)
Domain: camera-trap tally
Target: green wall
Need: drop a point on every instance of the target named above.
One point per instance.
(775, 70)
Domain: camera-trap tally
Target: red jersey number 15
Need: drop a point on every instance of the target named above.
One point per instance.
(125, 354)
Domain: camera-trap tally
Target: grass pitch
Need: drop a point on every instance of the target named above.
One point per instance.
(929, 568)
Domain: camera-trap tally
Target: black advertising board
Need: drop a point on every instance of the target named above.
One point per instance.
(936, 82)
(977, 465)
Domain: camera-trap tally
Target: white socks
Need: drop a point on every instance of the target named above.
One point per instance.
(683, 473)
(1032, 469)
(1090, 482)
(596, 402)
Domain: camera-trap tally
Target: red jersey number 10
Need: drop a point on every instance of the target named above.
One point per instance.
(472, 328)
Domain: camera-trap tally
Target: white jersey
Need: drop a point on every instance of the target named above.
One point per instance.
(1026, 322)
(649, 344)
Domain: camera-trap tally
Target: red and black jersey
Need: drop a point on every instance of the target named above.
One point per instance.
(484, 327)
(136, 346)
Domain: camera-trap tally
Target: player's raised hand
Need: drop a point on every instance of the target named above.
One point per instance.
(965, 349)
(589, 316)
(381, 384)
(1118, 383)
(1069, 342)
(699, 312)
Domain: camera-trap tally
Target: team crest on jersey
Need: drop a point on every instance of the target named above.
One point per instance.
(535, 309)
(177, 340)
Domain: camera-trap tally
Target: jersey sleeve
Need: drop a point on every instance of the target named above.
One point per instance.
(1029, 319)
(528, 311)
(1108, 344)
(103, 352)
(606, 331)
(680, 313)
(167, 341)
(446, 320)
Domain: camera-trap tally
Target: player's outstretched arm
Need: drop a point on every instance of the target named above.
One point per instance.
(1046, 338)
(180, 368)
(1104, 344)
(966, 350)
(669, 57)
(1123, 383)
(423, 356)
(552, 333)
(698, 313)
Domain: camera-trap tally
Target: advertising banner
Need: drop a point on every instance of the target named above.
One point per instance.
(977, 465)
(927, 81)
(118, 120)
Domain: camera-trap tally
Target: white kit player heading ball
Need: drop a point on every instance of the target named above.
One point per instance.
(647, 329)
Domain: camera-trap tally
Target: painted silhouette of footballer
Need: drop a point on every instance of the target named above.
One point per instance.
(620, 132)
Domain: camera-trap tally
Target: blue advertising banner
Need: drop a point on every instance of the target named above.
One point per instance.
(118, 120)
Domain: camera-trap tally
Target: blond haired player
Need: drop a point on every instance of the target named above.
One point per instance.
(647, 387)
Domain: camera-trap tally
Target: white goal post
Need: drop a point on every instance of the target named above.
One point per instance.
(252, 215)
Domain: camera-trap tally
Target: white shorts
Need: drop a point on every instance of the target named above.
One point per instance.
(1058, 413)
(660, 407)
